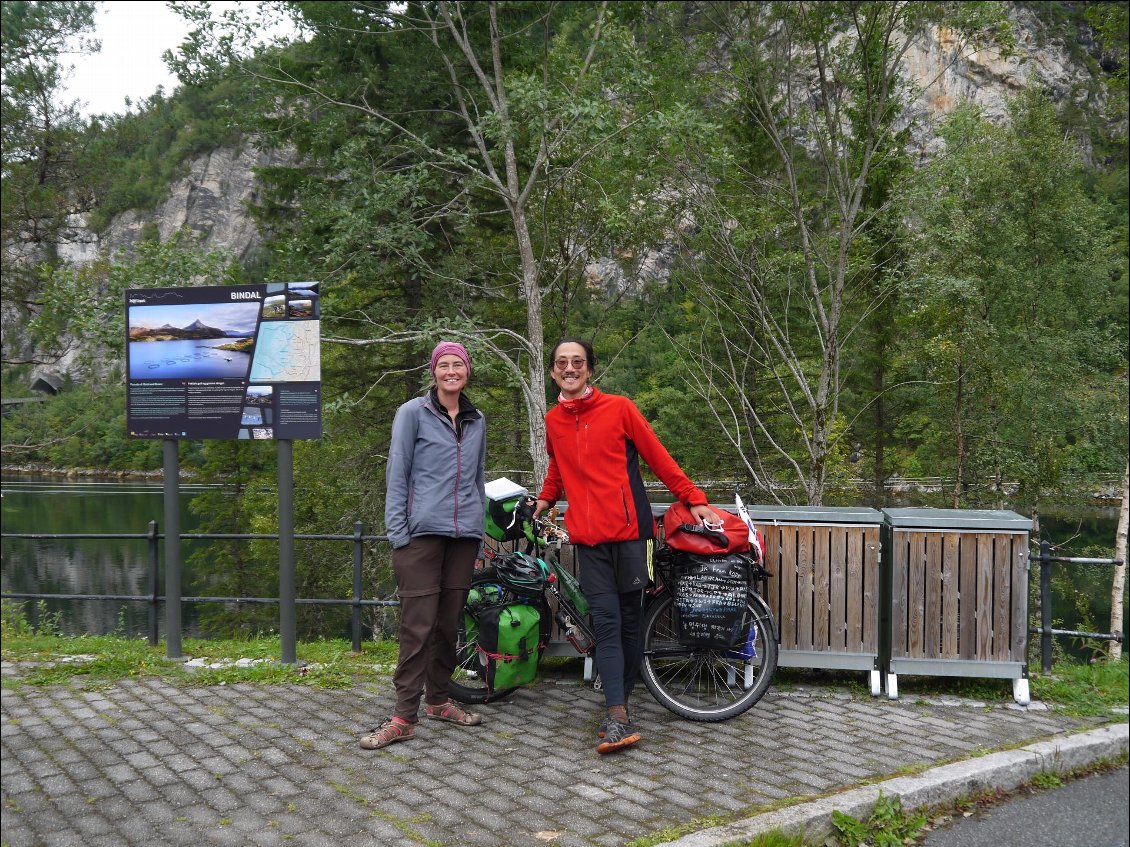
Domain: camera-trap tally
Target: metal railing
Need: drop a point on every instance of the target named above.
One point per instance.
(153, 538)
(1045, 630)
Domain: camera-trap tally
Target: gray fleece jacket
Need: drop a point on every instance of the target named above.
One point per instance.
(436, 472)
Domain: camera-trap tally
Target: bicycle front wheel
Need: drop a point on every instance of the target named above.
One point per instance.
(702, 684)
(468, 681)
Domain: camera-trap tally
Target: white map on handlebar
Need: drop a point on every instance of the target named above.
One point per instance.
(503, 489)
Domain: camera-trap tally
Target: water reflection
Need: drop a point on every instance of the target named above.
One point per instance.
(87, 566)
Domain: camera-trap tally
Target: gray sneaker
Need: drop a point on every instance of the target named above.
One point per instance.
(602, 730)
(617, 736)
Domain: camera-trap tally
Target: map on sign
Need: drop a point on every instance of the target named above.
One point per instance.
(287, 352)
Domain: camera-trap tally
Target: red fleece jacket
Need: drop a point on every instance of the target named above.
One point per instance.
(594, 449)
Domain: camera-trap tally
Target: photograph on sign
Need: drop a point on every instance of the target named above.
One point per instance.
(191, 341)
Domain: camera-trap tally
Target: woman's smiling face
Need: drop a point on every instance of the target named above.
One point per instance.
(451, 373)
(570, 369)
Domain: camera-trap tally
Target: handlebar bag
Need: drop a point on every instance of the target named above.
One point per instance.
(509, 519)
(684, 533)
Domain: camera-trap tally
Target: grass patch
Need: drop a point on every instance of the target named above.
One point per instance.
(887, 826)
(1076, 688)
(673, 832)
(53, 659)
(1084, 689)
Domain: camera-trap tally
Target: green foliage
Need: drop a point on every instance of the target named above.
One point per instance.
(887, 826)
(86, 302)
(84, 426)
(1046, 779)
(1009, 305)
(135, 156)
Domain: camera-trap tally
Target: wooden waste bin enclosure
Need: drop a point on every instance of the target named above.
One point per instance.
(958, 595)
(824, 586)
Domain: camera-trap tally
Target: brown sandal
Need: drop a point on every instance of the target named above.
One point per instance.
(450, 712)
(389, 732)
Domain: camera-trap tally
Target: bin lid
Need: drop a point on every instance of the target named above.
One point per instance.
(814, 514)
(982, 519)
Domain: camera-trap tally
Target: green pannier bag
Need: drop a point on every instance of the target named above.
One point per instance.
(480, 597)
(508, 638)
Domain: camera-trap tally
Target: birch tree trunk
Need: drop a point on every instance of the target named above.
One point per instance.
(1119, 586)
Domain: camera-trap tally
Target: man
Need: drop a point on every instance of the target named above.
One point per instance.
(595, 441)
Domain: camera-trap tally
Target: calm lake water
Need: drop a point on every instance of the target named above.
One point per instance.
(121, 566)
(187, 359)
(88, 566)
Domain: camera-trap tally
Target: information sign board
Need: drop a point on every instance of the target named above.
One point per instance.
(224, 362)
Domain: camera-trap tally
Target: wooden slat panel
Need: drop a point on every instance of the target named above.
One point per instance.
(788, 620)
(1002, 595)
(899, 612)
(837, 592)
(871, 553)
(771, 536)
(804, 588)
(915, 589)
(855, 600)
(932, 622)
(949, 595)
(820, 583)
(1018, 564)
(984, 599)
(967, 599)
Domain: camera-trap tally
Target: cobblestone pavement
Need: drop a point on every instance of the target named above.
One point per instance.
(148, 762)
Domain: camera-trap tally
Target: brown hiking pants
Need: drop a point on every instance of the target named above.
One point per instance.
(433, 575)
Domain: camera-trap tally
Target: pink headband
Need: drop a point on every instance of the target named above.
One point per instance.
(450, 348)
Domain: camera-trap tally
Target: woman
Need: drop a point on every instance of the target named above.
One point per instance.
(434, 514)
(594, 442)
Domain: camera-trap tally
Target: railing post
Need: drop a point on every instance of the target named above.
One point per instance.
(1045, 607)
(153, 579)
(358, 558)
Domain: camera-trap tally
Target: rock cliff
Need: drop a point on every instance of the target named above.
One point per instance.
(210, 200)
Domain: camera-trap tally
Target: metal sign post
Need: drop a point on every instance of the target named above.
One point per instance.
(172, 550)
(286, 551)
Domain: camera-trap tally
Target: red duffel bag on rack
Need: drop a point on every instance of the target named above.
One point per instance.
(684, 533)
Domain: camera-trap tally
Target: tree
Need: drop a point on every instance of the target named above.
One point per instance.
(42, 186)
(1118, 586)
(789, 261)
(469, 113)
(1007, 296)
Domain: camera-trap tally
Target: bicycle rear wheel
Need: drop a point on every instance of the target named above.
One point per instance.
(702, 684)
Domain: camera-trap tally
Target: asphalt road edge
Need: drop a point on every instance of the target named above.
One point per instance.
(1005, 771)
